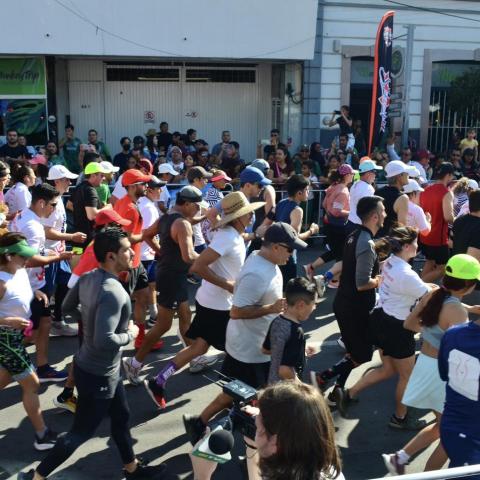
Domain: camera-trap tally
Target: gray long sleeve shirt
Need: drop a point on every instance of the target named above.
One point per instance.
(104, 307)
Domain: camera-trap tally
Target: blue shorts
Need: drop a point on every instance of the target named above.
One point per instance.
(150, 267)
(57, 273)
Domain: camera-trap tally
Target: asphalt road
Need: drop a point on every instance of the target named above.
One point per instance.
(159, 436)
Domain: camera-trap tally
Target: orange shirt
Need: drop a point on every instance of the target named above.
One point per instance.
(129, 210)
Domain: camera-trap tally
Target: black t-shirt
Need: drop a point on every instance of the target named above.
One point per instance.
(286, 342)
(164, 140)
(84, 196)
(345, 128)
(466, 233)
(14, 152)
(121, 160)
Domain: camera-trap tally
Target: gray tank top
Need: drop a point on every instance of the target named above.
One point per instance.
(433, 335)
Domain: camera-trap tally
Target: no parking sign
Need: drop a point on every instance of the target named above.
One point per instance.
(149, 116)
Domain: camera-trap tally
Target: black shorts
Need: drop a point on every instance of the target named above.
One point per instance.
(353, 322)
(210, 325)
(253, 374)
(388, 334)
(172, 289)
(439, 255)
(39, 310)
(137, 279)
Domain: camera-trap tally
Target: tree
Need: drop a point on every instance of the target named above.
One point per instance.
(464, 96)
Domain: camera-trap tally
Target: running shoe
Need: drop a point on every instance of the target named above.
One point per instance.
(26, 475)
(343, 400)
(156, 392)
(138, 344)
(145, 471)
(132, 373)
(333, 283)
(309, 270)
(61, 329)
(191, 279)
(317, 381)
(49, 374)
(319, 281)
(201, 363)
(70, 404)
(47, 442)
(392, 463)
(194, 427)
(407, 423)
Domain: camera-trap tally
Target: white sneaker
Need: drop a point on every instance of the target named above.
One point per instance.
(201, 363)
(319, 281)
(132, 373)
(61, 329)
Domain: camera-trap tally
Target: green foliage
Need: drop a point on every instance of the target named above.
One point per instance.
(464, 95)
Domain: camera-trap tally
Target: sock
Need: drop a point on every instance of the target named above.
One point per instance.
(328, 276)
(153, 310)
(41, 433)
(136, 363)
(66, 394)
(340, 369)
(403, 457)
(165, 373)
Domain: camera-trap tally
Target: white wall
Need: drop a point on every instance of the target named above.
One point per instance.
(260, 29)
(356, 22)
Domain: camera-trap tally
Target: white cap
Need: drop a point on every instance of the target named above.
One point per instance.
(109, 167)
(396, 167)
(59, 171)
(167, 168)
(412, 186)
(473, 184)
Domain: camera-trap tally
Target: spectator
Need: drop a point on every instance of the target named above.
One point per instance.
(469, 165)
(316, 155)
(219, 148)
(455, 160)
(232, 164)
(282, 168)
(100, 147)
(344, 122)
(177, 159)
(12, 151)
(121, 159)
(19, 197)
(423, 164)
(303, 156)
(51, 154)
(22, 141)
(470, 142)
(151, 150)
(69, 146)
(164, 137)
(40, 168)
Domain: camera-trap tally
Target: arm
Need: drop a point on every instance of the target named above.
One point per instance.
(348, 121)
(71, 303)
(332, 121)
(52, 234)
(256, 311)
(201, 267)
(401, 209)
(182, 234)
(42, 261)
(474, 252)
(412, 322)
(447, 207)
(363, 274)
(340, 205)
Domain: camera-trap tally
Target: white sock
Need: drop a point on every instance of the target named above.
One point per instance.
(403, 457)
(136, 363)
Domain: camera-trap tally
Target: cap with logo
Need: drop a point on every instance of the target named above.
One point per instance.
(109, 167)
(254, 175)
(463, 267)
(106, 216)
(197, 172)
(281, 232)
(412, 186)
(94, 167)
(167, 168)
(396, 167)
(59, 171)
(134, 177)
(368, 165)
(193, 195)
(424, 153)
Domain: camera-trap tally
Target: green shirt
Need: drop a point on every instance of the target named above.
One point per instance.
(70, 151)
(103, 150)
(297, 164)
(103, 192)
(56, 160)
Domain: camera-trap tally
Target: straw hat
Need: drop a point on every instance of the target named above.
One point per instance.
(235, 205)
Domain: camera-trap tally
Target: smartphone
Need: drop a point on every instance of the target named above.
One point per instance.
(265, 141)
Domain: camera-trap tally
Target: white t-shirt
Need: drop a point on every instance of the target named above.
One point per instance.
(260, 282)
(419, 167)
(165, 198)
(464, 209)
(150, 214)
(400, 288)
(58, 221)
(358, 190)
(30, 225)
(119, 190)
(229, 244)
(18, 198)
(416, 217)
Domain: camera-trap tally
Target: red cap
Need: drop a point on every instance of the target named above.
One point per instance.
(133, 176)
(146, 164)
(109, 215)
(220, 175)
(38, 159)
(424, 153)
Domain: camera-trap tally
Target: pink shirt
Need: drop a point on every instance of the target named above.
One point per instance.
(337, 198)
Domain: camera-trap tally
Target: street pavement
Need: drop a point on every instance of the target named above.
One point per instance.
(159, 435)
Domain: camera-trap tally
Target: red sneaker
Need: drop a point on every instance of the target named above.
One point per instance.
(155, 347)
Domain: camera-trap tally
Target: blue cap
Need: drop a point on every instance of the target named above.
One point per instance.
(254, 175)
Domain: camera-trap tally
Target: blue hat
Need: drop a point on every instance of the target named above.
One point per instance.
(254, 175)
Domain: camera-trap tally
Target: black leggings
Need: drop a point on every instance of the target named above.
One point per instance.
(336, 235)
(88, 416)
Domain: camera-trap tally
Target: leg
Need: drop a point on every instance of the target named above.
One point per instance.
(41, 340)
(198, 347)
(184, 320)
(152, 300)
(141, 303)
(220, 403)
(5, 378)
(403, 367)
(31, 402)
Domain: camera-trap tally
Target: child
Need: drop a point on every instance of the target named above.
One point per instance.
(416, 217)
(470, 142)
(285, 340)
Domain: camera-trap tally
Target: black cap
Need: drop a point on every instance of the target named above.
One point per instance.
(281, 232)
(191, 194)
(198, 172)
(469, 151)
(155, 182)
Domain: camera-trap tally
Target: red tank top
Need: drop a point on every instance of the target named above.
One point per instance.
(431, 201)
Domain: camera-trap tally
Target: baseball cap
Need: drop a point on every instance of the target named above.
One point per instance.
(254, 175)
(38, 159)
(412, 186)
(167, 168)
(198, 172)
(146, 164)
(220, 175)
(192, 194)
(281, 232)
(21, 248)
(424, 153)
(396, 167)
(261, 164)
(368, 165)
(463, 267)
(109, 167)
(59, 171)
(94, 167)
(155, 182)
(346, 169)
(109, 215)
(134, 176)
(473, 184)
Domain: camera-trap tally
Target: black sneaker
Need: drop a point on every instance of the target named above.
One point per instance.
(406, 423)
(45, 443)
(156, 392)
(194, 427)
(144, 471)
(26, 475)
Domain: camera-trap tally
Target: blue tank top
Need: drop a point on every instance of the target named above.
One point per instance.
(433, 335)
(283, 210)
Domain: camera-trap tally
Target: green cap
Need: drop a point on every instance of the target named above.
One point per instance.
(21, 248)
(95, 167)
(463, 267)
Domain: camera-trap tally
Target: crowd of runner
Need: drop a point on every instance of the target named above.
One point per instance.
(106, 248)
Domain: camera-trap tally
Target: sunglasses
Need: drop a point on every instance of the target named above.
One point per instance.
(54, 204)
(287, 247)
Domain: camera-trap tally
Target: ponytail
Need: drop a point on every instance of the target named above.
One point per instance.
(394, 242)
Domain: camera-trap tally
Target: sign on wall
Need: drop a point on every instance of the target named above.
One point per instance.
(22, 76)
(149, 116)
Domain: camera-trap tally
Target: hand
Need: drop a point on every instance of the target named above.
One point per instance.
(66, 256)
(79, 237)
(39, 295)
(379, 280)
(313, 229)
(428, 217)
(133, 329)
(310, 351)
(17, 323)
(230, 284)
(250, 410)
(278, 306)
(203, 469)
(211, 214)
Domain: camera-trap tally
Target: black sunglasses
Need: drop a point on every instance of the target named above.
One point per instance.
(287, 247)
